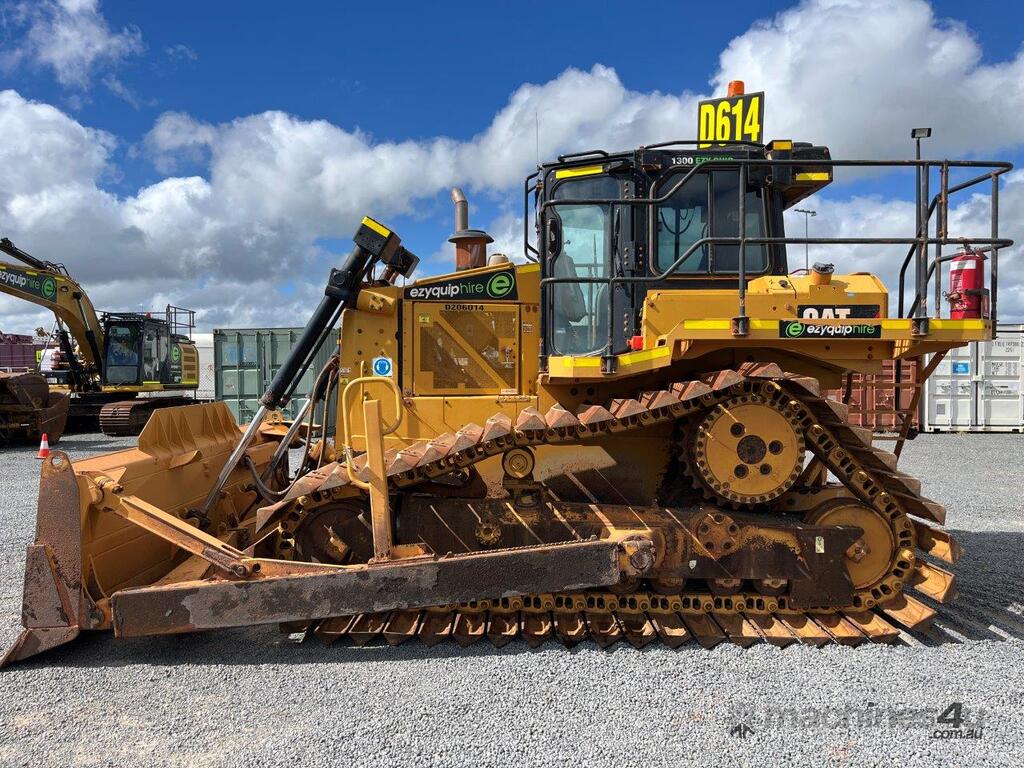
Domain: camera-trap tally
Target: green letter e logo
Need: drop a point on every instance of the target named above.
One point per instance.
(49, 288)
(500, 285)
(794, 329)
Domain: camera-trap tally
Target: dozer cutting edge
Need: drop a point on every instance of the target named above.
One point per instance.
(626, 436)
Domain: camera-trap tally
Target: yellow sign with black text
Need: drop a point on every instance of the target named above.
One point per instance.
(736, 118)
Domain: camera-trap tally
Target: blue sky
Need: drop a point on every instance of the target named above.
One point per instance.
(423, 73)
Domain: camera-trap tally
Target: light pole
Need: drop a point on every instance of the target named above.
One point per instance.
(807, 215)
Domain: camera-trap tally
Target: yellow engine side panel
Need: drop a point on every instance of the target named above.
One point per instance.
(784, 296)
(455, 362)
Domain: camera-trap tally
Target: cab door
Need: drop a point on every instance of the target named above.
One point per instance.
(588, 244)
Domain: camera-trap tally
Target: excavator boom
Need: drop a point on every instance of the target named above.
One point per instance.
(101, 394)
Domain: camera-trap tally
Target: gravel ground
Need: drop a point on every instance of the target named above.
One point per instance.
(251, 697)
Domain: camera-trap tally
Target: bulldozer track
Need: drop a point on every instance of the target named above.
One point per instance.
(881, 612)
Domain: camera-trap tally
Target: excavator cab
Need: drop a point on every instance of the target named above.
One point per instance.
(138, 351)
(613, 227)
(144, 351)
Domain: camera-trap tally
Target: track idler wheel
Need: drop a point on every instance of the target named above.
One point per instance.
(746, 451)
(869, 557)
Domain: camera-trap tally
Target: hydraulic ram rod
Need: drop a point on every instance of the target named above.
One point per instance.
(374, 242)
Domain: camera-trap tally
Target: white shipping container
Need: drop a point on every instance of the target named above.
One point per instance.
(977, 388)
(207, 376)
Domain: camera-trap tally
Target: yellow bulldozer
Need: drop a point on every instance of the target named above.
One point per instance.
(624, 436)
(115, 369)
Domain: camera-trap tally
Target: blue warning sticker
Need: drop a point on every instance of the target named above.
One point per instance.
(382, 366)
(961, 366)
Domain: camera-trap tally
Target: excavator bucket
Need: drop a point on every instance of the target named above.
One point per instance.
(29, 408)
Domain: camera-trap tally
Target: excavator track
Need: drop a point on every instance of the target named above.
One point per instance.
(707, 611)
(126, 418)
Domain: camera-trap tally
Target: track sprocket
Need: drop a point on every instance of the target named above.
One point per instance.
(746, 450)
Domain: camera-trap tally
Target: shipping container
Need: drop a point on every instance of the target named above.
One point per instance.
(977, 388)
(246, 360)
(873, 397)
(17, 352)
(207, 389)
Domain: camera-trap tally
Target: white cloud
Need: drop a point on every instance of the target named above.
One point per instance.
(178, 137)
(852, 74)
(122, 91)
(858, 74)
(69, 37)
(181, 52)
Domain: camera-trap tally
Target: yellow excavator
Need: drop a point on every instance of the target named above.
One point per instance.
(106, 360)
(625, 436)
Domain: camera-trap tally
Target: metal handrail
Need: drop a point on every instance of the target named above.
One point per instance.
(385, 429)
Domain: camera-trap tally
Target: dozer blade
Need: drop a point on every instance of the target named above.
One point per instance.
(53, 606)
(84, 552)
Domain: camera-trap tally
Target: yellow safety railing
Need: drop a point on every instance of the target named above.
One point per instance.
(384, 429)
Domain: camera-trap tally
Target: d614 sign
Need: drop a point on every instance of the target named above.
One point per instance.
(737, 118)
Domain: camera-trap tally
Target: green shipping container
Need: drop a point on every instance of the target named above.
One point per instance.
(245, 360)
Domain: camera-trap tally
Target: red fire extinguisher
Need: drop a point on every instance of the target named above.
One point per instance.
(967, 286)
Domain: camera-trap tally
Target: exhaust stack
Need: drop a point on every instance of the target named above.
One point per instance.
(470, 244)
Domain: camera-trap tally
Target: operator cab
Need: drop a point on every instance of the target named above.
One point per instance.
(612, 227)
(141, 350)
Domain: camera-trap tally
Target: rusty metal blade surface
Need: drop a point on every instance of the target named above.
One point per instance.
(873, 625)
(844, 632)
(399, 585)
(937, 543)
(604, 628)
(502, 627)
(570, 628)
(469, 627)
(739, 630)
(401, 626)
(911, 613)
(436, 627)
(933, 581)
(53, 607)
(537, 628)
(33, 641)
(771, 629)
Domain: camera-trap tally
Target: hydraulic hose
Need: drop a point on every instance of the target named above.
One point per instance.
(328, 369)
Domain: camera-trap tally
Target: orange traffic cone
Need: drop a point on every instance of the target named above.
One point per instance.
(44, 448)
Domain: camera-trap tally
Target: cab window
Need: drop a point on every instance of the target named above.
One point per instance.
(122, 354)
(150, 358)
(707, 206)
